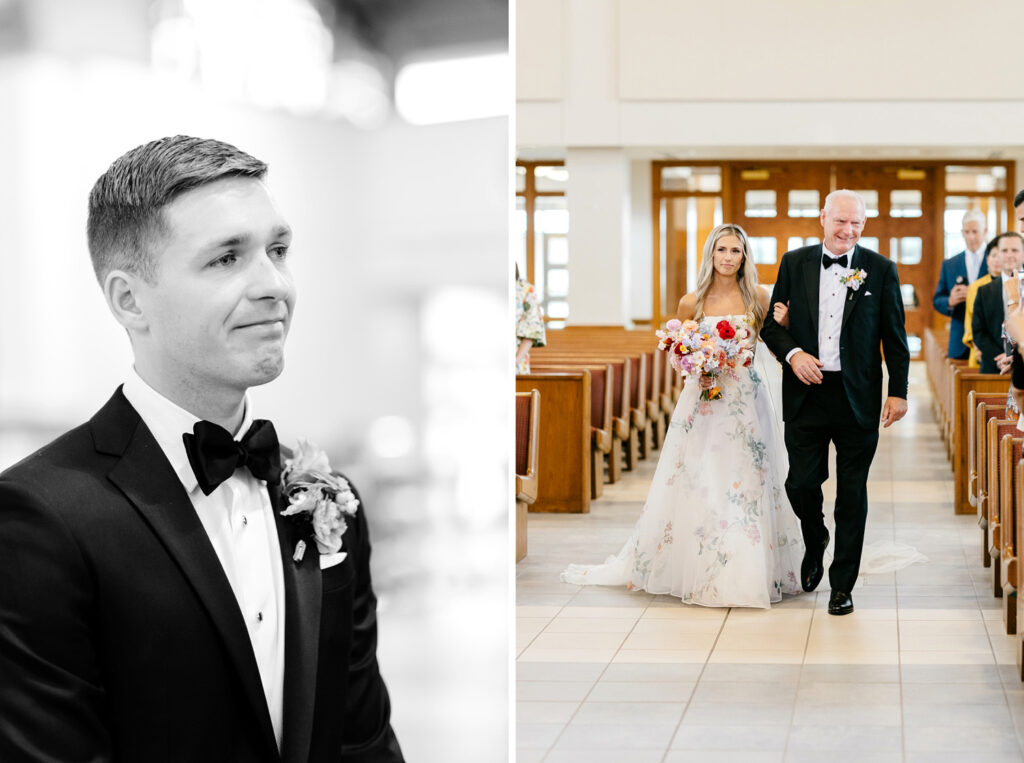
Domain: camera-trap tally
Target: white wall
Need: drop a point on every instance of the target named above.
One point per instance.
(806, 50)
(641, 249)
(789, 73)
(598, 202)
(540, 47)
(799, 79)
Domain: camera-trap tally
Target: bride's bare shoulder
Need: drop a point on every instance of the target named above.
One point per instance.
(687, 308)
(764, 296)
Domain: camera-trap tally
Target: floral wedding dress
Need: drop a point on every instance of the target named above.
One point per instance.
(717, 528)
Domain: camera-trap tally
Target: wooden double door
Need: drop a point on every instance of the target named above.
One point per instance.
(779, 207)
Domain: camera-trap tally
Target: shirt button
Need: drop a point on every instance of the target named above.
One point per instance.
(245, 520)
(259, 617)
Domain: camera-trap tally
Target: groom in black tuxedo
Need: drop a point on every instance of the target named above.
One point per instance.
(154, 603)
(844, 305)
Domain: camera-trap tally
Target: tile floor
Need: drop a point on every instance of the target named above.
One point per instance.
(921, 671)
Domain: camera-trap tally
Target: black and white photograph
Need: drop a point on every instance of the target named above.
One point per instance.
(253, 439)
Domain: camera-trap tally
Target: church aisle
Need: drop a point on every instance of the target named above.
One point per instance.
(921, 671)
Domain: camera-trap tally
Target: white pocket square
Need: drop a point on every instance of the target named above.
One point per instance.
(867, 294)
(329, 560)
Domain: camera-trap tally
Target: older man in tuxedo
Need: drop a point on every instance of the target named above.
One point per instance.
(844, 304)
(990, 307)
(155, 604)
(957, 273)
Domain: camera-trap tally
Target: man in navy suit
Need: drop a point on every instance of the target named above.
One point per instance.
(958, 272)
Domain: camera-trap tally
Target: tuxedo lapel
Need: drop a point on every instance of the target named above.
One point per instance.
(302, 598)
(995, 307)
(960, 268)
(853, 296)
(147, 480)
(812, 282)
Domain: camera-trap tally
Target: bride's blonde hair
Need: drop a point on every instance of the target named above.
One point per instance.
(746, 275)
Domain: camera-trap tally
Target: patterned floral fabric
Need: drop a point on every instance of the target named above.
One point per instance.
(529, 321)
(717, 528)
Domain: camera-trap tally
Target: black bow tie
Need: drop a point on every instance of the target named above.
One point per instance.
(214, 454)
(828, 262)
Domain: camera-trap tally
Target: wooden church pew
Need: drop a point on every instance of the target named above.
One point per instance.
(563, 472)
(949, 369)
(938, 379)
(604, 445)
(527, 453)
(634, 382)
(997, 429)
(987, 407)
(963, 381)
(634, 341)
(1009, 457)
(1019, 544)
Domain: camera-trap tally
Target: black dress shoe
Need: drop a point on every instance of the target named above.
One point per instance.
(813, 565)
(840, 603)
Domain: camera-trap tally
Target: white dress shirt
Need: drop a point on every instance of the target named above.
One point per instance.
(831, 298)
(239, 521)
(831, 301)
(973, 260)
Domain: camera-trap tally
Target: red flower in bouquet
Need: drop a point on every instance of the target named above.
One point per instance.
(725, 329)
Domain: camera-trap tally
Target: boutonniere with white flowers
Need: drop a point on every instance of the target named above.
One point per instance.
(852, 279)
(317, 497)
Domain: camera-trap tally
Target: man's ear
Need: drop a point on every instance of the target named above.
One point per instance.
(121, 289)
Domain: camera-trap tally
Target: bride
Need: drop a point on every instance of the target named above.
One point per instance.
(717, 528)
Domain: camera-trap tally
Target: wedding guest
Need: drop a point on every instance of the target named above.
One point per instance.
(1015, 323)
(530, 330)
(157, 603)
(958, 272)
(993, 265)
(989, 309)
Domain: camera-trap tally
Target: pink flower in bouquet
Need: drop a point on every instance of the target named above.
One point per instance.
(705, 350)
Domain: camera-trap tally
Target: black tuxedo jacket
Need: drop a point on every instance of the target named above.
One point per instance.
(872, 319)
(121, 639)
(987, 324)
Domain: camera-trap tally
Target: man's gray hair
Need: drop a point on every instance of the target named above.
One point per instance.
(977, 216)
(846, 193)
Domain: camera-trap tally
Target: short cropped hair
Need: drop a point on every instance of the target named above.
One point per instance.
(977, 215)
(126, 203)
(1019, 198)
(847, 193)
(1013, 233)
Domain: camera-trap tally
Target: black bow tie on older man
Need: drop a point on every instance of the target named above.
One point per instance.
(828, 262)
(214, 454)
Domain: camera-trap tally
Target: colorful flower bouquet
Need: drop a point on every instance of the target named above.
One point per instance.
(706, 349)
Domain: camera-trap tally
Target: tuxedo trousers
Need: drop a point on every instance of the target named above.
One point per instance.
(826, 417)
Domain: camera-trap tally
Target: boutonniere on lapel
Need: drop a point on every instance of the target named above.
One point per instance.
(852, 279)
(316, 497)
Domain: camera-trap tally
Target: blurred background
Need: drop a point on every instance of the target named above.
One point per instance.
(385, 125)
